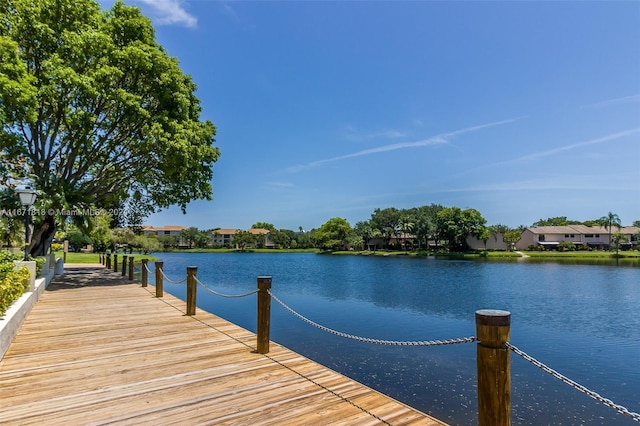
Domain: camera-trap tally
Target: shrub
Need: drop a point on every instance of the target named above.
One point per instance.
(12, 285)
(7, 257)
(40, 261)
(566, 246)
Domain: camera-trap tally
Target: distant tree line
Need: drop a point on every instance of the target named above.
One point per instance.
(431, 227)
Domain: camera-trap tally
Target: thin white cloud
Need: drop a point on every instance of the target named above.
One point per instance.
(434, 140)
(278, 184)
(574, 183)
(354, 134)
(554, 151)
(615, 101)
(170, 12)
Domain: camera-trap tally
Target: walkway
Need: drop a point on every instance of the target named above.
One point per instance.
(98, 349)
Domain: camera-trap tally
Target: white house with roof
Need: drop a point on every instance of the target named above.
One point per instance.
(592, 236)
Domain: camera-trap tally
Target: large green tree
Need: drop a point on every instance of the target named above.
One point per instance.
(333, 234)
(386, 222)
(241, 239)
(455, 225)
(93, 111)
(425, 219)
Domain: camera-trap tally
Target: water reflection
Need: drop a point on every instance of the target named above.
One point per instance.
(582, 321)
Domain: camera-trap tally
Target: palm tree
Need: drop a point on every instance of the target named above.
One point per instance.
(608, 221)
(405, 225)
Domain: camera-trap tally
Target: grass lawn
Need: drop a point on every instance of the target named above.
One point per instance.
(95, 257)
(583, 254)
(500, 254)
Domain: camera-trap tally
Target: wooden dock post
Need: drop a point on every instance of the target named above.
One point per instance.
(115, 262)
(191, 290)
(264, 314)
(130, 268)
(108, 261)
(145, 276)
(124, 265)
(494, 367)
(159, 291)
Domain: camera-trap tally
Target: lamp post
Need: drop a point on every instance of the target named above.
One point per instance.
(27, 198)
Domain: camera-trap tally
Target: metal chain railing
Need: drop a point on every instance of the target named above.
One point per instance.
(371, 340)
(172, 281)
(210, 290)
(619, 408)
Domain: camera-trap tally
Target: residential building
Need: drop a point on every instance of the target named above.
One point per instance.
(591, 236)
(167, 231)
(224, 236)
(495, 242)
(265, 233)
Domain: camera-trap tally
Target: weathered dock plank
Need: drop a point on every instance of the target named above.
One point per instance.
(98, 349)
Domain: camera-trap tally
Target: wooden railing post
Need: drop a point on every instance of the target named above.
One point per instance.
(101, 258)
(108, 261)
(115, 262)
(124, 265)
(191, 290)
(159, 291)
(264, 314)
(145, 276)
(130, 268)
(494, 367)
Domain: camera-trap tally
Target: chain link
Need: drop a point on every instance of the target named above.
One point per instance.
(619, 408)
(172, 281)
(210, 290)
(368, 339)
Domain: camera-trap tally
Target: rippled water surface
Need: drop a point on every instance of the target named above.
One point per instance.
(581, 320)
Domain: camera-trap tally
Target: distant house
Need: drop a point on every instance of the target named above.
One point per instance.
(495, 242)
(590, 236)
(398, 240)
(265, 233)
(224, 236)
(166, 231)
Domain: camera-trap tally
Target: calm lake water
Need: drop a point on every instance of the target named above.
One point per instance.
(583, 321)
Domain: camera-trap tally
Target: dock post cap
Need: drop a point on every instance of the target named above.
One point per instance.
(492, 313)
(495, 317)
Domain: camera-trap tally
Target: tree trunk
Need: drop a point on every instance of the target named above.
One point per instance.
(42, 236)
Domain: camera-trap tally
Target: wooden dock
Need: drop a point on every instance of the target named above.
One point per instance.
(99, 349)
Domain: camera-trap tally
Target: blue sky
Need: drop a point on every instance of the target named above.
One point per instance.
(521, 110)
